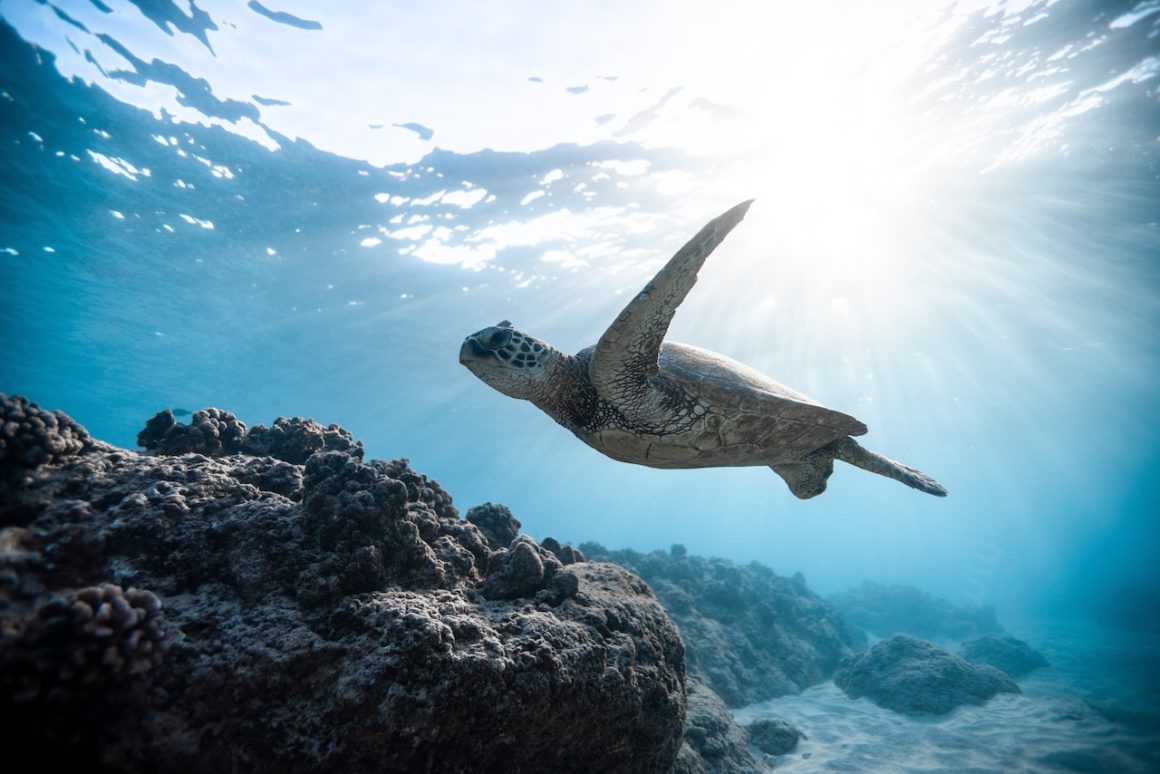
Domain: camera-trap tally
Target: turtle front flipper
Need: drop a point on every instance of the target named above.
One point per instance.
(626, 355)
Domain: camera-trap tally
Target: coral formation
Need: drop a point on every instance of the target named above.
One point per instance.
(293, 440)
(496, 523)
(73, 644)
(914, 677)
(211, 432)
(214, 433)
(520, 570)
(751, 634)
(332, 615)
(565, 553)
(31, 436)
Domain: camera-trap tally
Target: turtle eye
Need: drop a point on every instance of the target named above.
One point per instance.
(495, 338)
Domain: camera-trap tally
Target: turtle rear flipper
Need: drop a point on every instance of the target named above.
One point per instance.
(849, 450)
(807, 478)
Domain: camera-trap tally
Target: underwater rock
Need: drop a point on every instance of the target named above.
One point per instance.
(317, 617)
(714, 743)
(914, 677)
(774, 736)
(885, 611)
(750, 634)
(1007, 654)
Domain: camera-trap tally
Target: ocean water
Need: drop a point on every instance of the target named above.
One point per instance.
(302, 210)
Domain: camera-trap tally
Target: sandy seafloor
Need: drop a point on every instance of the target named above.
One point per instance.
(1093, 710)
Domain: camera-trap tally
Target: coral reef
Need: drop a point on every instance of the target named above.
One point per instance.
(1007, 654)
(750, 634)
(885, 611)
(914, 677)
(714, 743)
(323, 615)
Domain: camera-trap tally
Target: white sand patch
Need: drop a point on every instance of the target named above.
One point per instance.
(1010, 733)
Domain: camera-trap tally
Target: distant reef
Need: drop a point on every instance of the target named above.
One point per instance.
(885, 611)
(1013, 657)
(750, 634)
(262, 599)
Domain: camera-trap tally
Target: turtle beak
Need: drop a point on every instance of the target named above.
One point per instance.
(472, 350)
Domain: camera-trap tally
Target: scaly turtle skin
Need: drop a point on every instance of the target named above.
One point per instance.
(640, 399)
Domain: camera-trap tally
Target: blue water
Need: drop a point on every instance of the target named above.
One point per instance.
(955, 239)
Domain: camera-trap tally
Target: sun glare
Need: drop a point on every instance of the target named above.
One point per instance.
(827, 139)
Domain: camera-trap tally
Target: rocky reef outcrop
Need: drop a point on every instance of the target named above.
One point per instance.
(1009, 655)
(265, 600)
(887, 610)
(750, 634)
(914, 677)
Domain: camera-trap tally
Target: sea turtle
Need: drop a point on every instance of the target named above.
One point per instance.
(640, 399)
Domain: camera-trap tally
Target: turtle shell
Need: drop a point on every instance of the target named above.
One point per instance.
(753, 409)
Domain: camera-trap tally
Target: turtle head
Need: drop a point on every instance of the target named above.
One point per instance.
(511, 361)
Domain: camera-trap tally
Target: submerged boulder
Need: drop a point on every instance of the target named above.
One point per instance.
(774, 736)
(914, 677)
(210, 610)
(1007, 654)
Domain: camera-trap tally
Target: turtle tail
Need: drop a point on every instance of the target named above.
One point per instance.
(850, 451)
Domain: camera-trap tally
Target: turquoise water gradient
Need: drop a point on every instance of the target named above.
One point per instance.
(977, 280)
